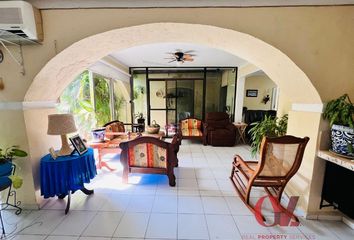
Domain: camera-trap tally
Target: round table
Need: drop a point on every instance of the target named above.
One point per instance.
(66, 174)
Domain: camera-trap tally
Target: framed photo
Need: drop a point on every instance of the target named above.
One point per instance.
(78, 144)
(251, 93)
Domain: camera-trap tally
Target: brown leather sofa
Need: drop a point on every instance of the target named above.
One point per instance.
(218, 130)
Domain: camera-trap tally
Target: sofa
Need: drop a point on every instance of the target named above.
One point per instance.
(218, 130)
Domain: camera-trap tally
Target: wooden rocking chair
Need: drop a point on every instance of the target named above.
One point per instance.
(280, 159)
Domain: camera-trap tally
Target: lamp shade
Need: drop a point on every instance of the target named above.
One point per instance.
(60, 124)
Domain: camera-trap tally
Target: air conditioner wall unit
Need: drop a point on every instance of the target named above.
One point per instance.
(22, 19)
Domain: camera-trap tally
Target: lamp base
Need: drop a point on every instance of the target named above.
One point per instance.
(65, 148)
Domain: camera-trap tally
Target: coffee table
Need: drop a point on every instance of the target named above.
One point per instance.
(112, 146)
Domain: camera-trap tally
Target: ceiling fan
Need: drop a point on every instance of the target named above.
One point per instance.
(180, 57)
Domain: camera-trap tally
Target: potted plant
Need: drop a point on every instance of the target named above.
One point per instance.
(271, 127)
(6, 157)
(140, 118)
(340, 113)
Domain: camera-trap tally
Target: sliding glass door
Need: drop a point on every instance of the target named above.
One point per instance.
(175, 94)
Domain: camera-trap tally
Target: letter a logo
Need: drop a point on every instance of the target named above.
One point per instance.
(282, 216)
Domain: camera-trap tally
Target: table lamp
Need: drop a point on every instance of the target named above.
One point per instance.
(62, 124)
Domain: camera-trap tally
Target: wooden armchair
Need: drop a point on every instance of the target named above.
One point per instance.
(149, 155)
(280, 159)
(191, 128)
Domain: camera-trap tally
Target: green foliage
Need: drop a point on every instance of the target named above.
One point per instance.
(76, 100)
(118, 104)
(138, 90)
(9, 153)
(103, 110)
(340, 111)
(270, 127)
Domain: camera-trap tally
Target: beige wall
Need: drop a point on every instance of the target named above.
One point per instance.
(317, 39)
(264, 86)
(299, 32)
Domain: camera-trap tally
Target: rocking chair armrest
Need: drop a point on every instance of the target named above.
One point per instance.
(238, 159)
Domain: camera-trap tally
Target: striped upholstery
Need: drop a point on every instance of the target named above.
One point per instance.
(147, 155)
(191, 132)
(191, 127)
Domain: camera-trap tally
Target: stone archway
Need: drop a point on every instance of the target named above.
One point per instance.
(63, 68)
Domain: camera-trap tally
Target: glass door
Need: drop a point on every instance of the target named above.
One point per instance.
(171, 108)
(158, 102)
(175, 100)
(163, 105)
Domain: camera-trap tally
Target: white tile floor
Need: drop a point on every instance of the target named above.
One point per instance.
(203, 205)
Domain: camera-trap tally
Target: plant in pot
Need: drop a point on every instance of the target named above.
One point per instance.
(271, 127)
(6, 157)
(340, 113)
(140, 118)
(141, 121)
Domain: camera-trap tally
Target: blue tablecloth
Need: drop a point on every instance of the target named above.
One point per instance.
(66, 173)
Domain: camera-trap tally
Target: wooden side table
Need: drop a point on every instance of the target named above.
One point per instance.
(241, 130)
(112, 146)
(102, 149)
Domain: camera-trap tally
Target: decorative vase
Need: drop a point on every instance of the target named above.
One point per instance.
(98, 134)
(342, 139)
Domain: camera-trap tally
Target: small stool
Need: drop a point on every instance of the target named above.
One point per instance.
(241, 130)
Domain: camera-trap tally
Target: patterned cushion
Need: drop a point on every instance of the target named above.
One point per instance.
(147, 155)
(114, 127)
(191, 124)
(192, 132)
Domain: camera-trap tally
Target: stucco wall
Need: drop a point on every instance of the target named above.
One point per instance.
(264, 86)
(317, 39)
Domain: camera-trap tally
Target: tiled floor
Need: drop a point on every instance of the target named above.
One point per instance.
(203, 205)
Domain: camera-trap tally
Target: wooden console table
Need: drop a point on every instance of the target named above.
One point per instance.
(337, 186)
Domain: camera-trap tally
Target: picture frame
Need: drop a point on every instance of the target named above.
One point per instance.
(251, 93)
(78, 144)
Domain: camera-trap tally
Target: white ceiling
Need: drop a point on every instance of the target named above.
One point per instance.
(153, 55)
(45, 4)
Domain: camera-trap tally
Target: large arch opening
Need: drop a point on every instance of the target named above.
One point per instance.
(57, 74)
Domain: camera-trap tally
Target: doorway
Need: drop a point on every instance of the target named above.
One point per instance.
(168, 95)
